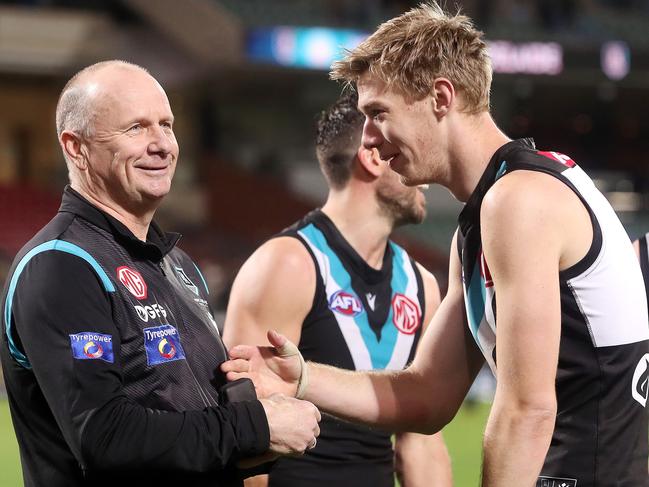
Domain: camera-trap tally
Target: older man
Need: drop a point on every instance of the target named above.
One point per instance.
(110, 352)
(543, 282)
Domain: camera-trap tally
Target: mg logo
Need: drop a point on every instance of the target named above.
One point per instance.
(133, 281)
(639, 386)
(405, 314)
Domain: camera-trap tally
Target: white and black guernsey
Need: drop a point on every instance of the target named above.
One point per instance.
(600, 436)
(361, 319)
(644, 260)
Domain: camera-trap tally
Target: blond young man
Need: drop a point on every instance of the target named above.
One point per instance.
(336, 285)
(543, 282)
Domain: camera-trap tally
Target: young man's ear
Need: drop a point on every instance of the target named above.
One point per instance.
(370, 161)
(73, 147)
(443, 96)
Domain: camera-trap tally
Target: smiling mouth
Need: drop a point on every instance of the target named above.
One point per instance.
(153, 168)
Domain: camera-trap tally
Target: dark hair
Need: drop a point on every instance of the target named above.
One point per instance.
(338, 138)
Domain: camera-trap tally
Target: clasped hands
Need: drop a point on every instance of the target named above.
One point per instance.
(280, 378)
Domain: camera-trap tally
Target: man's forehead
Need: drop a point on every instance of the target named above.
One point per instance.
(373, 91)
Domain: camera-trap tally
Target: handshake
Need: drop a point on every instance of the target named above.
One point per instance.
(278, 374)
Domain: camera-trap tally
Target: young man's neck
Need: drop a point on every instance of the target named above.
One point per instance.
(361, 222)
(471, 154)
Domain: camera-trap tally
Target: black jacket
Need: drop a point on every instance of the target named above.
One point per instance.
(110, 356)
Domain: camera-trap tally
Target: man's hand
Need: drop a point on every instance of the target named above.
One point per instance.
(293, 424)
(272, 369)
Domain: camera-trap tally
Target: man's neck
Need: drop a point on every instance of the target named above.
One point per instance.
(361, 222)
(138, 224)
(470, 156)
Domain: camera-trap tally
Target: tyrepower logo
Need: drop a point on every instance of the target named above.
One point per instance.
(406, 315)
(133, 281)
(145, 313)
(345, 303)
(640, 385)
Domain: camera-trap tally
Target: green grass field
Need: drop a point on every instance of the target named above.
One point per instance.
(463, 438)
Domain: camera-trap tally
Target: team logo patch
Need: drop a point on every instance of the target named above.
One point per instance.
(184, 278)
(406, 315)
(162, 344)
(555, 482)
(640, 384)
(133, 281)
(89, 345)
(345, 303)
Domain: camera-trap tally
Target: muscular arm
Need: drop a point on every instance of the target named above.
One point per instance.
(527, 238)
(273, 290)
(422, 460)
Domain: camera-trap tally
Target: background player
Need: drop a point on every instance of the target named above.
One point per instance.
(336, 285)
(567, 336)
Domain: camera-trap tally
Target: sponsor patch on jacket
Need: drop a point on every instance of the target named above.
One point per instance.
(162, 344)
(89, 345)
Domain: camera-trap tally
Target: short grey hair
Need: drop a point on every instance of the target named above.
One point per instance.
(75, 108)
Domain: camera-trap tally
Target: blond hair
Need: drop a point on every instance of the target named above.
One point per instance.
(410, 51)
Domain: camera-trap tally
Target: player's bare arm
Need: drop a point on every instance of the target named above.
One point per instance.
(273, 290)
(423, 460)
(528, 237)
(424, 397)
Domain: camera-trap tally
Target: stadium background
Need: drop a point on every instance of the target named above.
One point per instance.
(246, 79)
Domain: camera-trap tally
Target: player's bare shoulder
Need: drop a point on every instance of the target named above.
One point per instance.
(532, 205)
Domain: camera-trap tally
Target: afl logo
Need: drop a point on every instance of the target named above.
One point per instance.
(345, 303)
(133, 281)
(405, 314)
(93, 350)
(640, 384)
(166, 348)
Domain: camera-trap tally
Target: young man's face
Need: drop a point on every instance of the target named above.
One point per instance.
(403, 130)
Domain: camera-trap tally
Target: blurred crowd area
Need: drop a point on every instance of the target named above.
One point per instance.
(246, 127)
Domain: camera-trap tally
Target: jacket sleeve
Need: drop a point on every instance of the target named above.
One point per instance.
(59, 297)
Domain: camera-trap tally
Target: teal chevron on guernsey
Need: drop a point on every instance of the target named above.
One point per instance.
(61, 246)
(502, 170)
(476, 299)
(379, 351)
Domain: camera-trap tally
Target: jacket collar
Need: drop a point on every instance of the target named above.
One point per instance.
(158, 243)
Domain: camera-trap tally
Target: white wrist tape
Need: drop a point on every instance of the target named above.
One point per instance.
(289, 350)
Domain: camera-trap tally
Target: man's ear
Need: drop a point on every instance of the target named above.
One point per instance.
(369, 160)
(444, 96)
(74, 148)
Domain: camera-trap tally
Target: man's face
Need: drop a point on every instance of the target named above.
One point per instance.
(404, 131)
(404, 204)
(132, 150)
